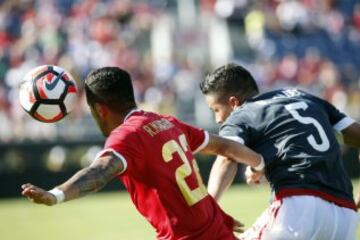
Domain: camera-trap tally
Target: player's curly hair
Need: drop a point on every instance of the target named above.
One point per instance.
(112, 86)
(230, 79)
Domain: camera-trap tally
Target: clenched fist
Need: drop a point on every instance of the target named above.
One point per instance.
(253, 177)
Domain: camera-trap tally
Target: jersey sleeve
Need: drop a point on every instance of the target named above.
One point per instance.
(197, 138)
(235, 132)
(107, 151)
(338, 120)
(236, 129)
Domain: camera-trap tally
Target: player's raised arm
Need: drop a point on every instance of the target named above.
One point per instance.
(351, 135)
(89, 179)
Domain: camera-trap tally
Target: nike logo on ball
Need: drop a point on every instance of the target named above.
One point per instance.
(50, 86)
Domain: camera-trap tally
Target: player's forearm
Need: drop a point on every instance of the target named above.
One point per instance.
(242, 154)
(221, 177)
(232, 150)
(91, 179)
(83, 182)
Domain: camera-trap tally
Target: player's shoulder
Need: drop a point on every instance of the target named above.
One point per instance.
(240, 115)
(136, 121)
(172, 119)
(252, 109)
(293, 93)
(280, 96)
(283, 93)
(150, 123)
(122, 135)
(151, 116)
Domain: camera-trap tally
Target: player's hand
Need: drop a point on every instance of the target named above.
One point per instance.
(238, 226)
(253, 177)
(38, 195)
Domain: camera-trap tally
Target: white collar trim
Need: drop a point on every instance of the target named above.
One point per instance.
(130, 113)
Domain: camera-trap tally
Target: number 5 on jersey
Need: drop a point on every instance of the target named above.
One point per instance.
(319, 146)
(182, 172)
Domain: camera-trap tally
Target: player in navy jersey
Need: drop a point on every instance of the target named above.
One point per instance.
(294, 132)
(153, 156)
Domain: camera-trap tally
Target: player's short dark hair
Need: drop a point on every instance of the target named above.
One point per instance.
(112, 86)
(230, 79)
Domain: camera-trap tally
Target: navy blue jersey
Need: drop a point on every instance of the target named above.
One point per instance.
(294, 132)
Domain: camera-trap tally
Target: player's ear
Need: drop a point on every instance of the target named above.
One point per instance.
(101, 109)
(234, 102)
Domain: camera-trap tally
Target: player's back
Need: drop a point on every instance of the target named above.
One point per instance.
(294, 132)
(163, 179)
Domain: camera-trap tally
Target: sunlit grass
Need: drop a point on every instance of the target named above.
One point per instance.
(107, 216)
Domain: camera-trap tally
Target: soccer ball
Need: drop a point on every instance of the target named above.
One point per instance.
(48, 93)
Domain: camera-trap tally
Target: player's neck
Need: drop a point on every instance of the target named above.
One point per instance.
(126, 114)
(120, 118)
(115, 119)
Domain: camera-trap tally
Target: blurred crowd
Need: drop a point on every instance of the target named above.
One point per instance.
(312, 44)
(77, 35)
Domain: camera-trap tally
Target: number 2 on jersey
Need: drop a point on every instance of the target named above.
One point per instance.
(324, 144)
(168, 150)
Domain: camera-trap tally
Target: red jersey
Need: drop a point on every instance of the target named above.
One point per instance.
(163, 179)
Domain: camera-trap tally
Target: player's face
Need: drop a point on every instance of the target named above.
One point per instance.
(221, 109)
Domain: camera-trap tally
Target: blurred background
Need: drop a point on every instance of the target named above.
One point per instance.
(168, 46)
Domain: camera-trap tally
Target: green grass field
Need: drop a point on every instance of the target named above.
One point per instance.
(107, 216)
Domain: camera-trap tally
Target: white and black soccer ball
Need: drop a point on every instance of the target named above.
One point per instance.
(48, 93)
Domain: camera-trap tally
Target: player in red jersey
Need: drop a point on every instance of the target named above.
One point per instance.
(153, 156)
